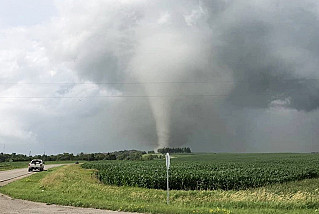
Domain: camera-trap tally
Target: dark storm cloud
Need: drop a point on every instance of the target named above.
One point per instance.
(271, 50)
(255, 54)
(256, 61)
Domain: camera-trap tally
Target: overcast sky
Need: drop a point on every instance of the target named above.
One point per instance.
(216, 75)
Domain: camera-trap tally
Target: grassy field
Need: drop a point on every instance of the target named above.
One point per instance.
(73, 185)
(24, 164)
(12, 165)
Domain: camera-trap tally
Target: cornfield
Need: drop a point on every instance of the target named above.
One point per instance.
(209, 171)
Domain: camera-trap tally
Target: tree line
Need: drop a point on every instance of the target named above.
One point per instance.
(174, 150)
(118, 155)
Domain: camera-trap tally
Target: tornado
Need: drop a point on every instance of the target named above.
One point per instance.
(163, 60)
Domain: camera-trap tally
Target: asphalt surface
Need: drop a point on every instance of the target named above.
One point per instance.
(12, 175)
(16, 206)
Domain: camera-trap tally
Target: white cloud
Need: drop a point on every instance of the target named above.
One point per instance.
(164, 18)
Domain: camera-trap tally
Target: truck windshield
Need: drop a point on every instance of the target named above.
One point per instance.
(36, 162)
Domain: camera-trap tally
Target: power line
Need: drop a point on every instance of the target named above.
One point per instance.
(129, 96)
(145, 83)
(132, 96)
(116, 96)
(104, 83)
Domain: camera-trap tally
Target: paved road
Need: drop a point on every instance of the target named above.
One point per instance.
(16, 206)
(12, 175)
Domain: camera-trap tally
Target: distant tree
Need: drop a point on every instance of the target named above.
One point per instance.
(174, 150)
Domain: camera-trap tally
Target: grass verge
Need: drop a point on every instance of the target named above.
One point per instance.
(72, 185)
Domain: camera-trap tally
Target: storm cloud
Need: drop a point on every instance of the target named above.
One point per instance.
(224, 76)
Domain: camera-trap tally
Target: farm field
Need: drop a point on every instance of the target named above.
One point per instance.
(13, 165)
(76, 186)
(210, 171)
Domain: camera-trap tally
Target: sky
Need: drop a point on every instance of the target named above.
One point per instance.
(105, 75)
